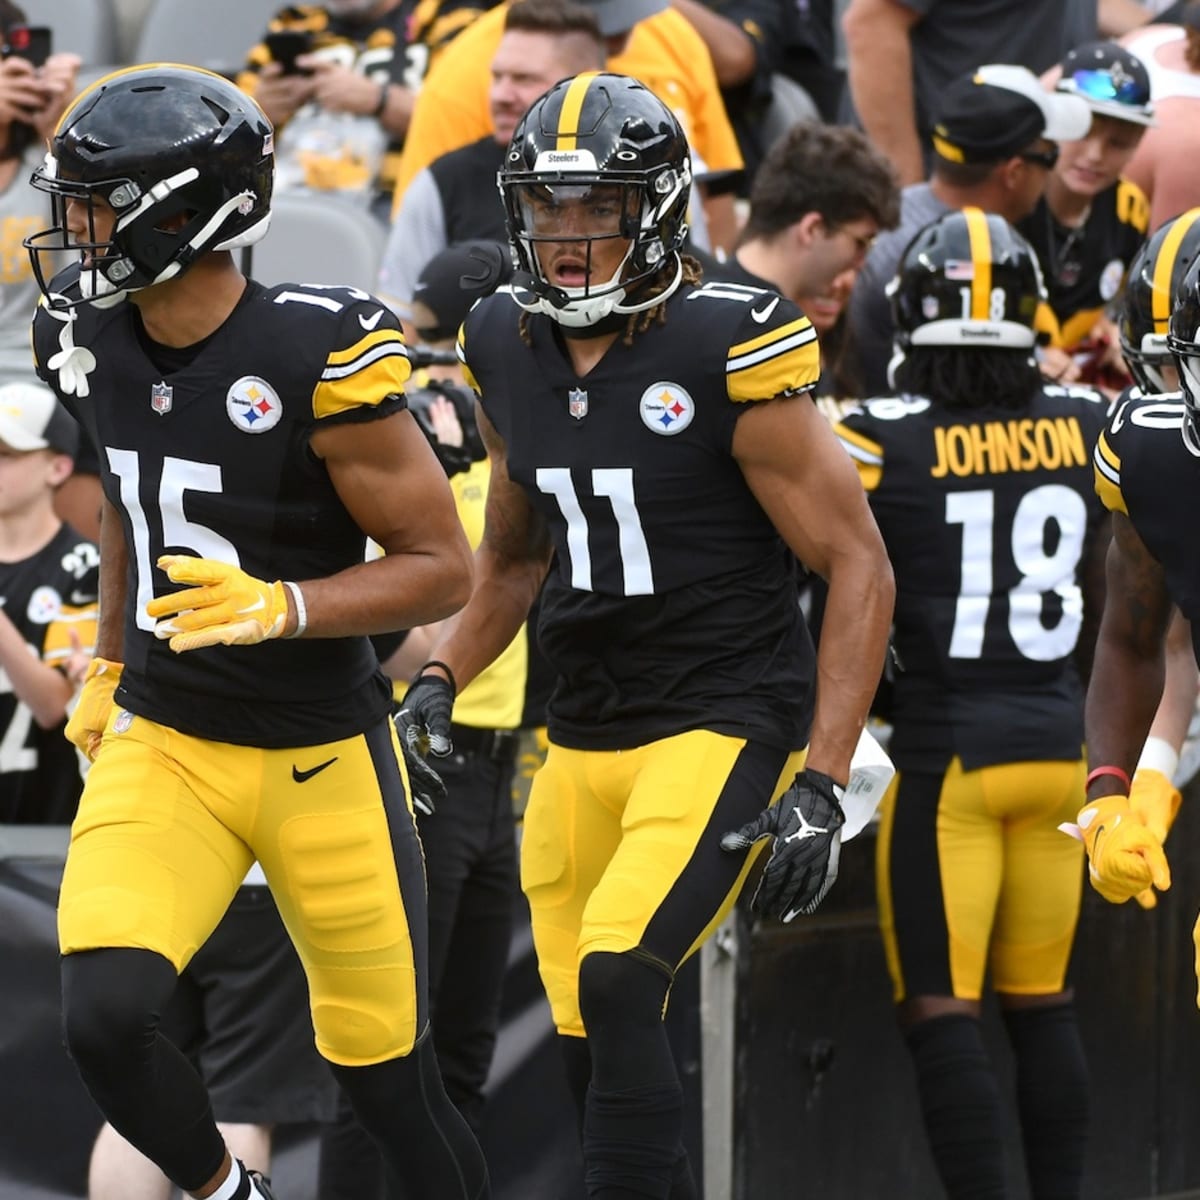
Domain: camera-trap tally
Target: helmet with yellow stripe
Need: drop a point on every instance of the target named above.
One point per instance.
(1183, 341)
(180, 158)
(967, 279)
(1151, 286)
(601, 166)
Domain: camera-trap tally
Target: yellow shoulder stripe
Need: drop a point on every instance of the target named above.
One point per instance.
(767, 339)
(867, 455)
(1108, 477)
(374, 368)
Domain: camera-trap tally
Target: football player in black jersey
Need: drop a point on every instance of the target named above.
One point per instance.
(654, 450)
(250, 440)
(1146, 474)
(979, 476)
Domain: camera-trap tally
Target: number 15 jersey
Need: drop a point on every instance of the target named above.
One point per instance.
(671, 602)
(212, 459)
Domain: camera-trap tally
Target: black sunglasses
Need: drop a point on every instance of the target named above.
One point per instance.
(1042, 158)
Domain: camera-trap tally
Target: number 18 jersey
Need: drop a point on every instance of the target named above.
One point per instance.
(987, 515)
(671, 602)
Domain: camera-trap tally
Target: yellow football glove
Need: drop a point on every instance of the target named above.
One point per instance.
(1156, 800)
(1124, 857)
(224, 607)
(86, 725)
(1196, 942)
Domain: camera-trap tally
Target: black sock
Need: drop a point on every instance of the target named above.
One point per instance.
(960, 1101)
(631, 1142)
(1052, 1098)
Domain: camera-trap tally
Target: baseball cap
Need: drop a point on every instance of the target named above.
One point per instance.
(454, 278)
(997, 110)
(620, 16)
(31, 418)
(1110, 81)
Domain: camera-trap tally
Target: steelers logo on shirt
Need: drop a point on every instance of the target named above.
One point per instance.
(253, 405)
(666, 408)
(44, 605)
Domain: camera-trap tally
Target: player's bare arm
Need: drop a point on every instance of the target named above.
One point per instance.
(1127, 674)
(809, 488)
(1092, 581)
(395, 489)
(510, 566)
(114, 564)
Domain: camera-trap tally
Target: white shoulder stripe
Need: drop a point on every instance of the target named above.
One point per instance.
(763, 353)
(858, 453)
(373, 355)
(1106, 468)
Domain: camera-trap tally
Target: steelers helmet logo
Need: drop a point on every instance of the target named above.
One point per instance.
(253, 405)
(666, 408)
(44, 605)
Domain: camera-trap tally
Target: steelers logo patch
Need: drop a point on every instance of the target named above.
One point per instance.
(1110, 279)
(666, 408)
(44, 605)
(253, 405)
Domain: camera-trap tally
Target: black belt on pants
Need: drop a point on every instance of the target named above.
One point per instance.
(497, 744)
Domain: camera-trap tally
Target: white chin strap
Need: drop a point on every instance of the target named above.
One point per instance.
(585, 307)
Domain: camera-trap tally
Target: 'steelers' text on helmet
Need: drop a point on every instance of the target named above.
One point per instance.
(1155, 276)
(183, 157)
(967, 279)
(599, 130)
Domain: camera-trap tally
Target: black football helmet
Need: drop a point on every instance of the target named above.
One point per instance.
(183, 158)
(1154, 279)
(1183, 341)
(967, 279)
(597, 131)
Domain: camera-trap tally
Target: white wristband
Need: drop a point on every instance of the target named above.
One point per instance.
(301, 611)
(1159, 755)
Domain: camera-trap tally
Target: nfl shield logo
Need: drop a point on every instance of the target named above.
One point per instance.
(160, 398)
(577, 403)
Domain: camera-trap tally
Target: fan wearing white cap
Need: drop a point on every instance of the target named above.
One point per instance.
(1090, 221)
(48, 586)
(995, 143)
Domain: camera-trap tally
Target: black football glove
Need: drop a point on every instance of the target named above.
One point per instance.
(806, 826)
(423, 724)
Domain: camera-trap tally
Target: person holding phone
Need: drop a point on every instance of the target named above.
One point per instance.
(31, 100)
(346, 72)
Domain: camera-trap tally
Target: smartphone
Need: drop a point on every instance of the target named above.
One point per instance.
(286, 45)
(31, 42)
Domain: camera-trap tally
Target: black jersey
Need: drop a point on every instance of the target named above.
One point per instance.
(213, 459)
(1085, 268)
(1146, 470)
(671, 602)
(987, 515)
(47, 597)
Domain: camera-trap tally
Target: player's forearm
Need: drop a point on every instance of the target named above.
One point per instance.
(398, 591)
(499, 606)
(1122, 696)
(854, 638)
(44, 689)
(110, 631)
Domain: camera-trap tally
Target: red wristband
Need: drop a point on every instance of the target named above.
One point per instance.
(1115, 772)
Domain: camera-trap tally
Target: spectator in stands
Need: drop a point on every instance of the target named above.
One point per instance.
(455, 199)
(49, 584)
(213, 674)
(1163, 164)
(31, 101)
(646, 40)
(684, 668)
(994, 149)
(469, 842)
(347, 71)
(974, 877)
(747, 40)
(1090, 222)
(903, 54)
(819, 200)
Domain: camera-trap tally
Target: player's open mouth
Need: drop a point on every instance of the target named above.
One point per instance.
(568, 274)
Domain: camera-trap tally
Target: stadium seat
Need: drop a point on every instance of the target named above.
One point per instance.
(319, 238)
(789, 103)
(205, 33)
(84, 27)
